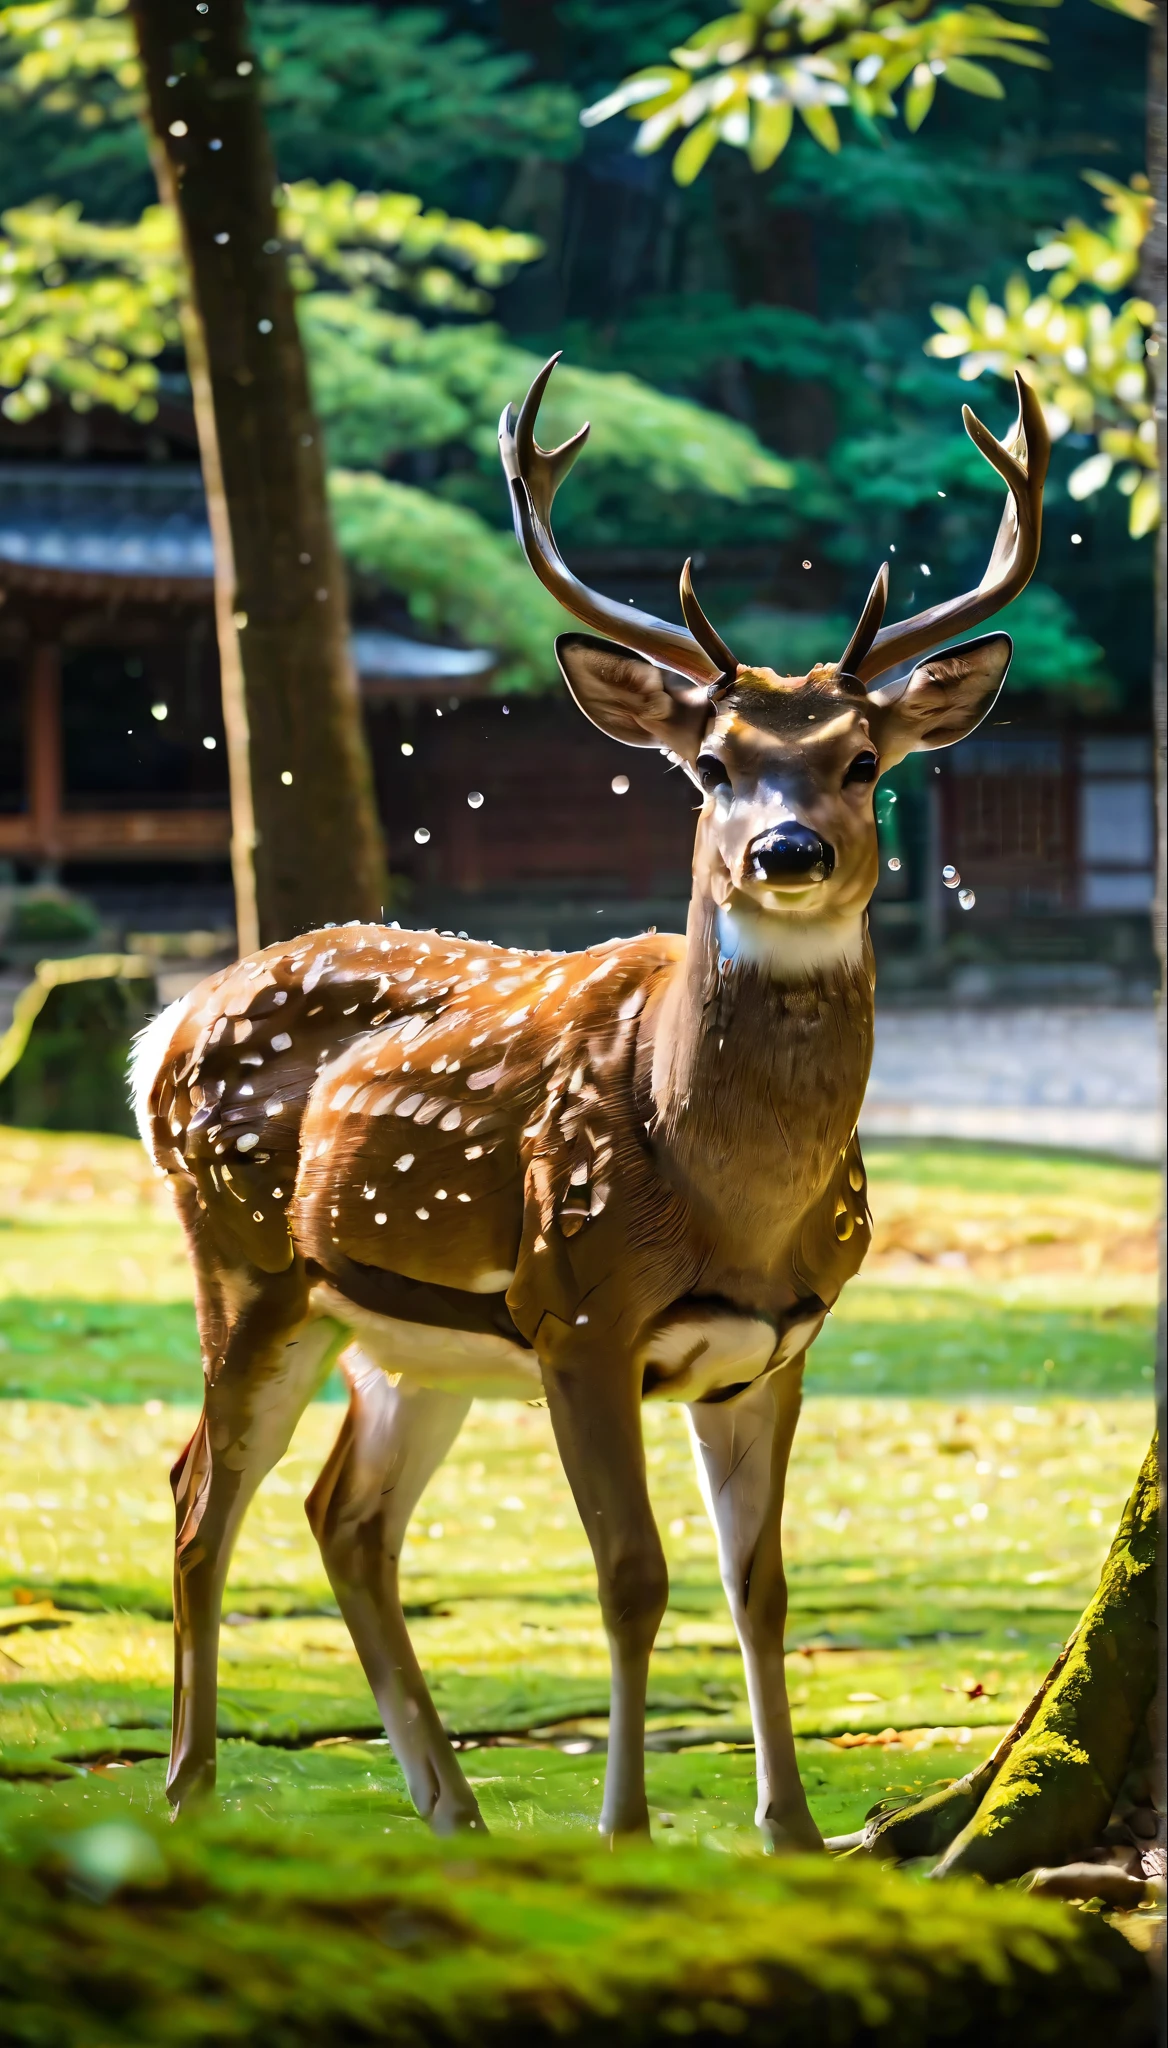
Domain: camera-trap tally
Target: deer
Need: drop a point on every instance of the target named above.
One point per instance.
(462, 1171)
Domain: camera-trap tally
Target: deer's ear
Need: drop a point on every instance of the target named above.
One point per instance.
(630, 698)
(942, 700)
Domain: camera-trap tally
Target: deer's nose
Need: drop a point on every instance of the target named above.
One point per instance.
(790, 853)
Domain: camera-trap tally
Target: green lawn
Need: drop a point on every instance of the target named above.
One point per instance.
(977, 1409)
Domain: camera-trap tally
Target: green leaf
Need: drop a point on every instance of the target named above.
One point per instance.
(770, 131)
(694, 151)
(919, 97)
(1136, 10)
(1144, 511)
(822, 124)
(974, 78)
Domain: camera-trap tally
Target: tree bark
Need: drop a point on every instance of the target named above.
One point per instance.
(306, 846)
(1156, 288)
(1046, 1793)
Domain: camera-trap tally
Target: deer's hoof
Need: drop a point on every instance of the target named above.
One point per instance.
(793, 1834)
(189, 1786)
(455, 1817)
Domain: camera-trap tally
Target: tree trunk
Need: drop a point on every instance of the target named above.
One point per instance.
(1156, 289)
(306, 846)
(1046, 1793)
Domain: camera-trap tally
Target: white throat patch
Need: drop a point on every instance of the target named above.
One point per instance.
(786, 948)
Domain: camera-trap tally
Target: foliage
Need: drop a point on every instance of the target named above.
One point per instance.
(741, 79)
(86, 310)
(1087, 362)
(386, 385)
(381, 99)
(795, 300)
(186, 1935)
(456, 573)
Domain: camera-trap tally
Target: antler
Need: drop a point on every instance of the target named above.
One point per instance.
(534, 473)
(1022, 461)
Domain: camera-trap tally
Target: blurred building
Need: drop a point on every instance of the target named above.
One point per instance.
(113, 775)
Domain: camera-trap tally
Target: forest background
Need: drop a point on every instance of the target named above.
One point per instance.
(751, 347)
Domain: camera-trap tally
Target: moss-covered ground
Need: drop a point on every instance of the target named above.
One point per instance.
(976, 1411)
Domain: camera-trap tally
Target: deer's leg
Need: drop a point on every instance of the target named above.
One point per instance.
(263, 1380)
(597, 1422)
(391, 1441)
(741, 1449)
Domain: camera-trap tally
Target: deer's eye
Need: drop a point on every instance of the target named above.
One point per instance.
(711, 774)
(863, 769)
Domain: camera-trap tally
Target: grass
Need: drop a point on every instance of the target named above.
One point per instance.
(977, 1409)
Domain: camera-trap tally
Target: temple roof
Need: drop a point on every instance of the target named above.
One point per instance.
(70, 529)
(139, 531)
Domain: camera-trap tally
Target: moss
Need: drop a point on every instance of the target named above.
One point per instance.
(130, 1933)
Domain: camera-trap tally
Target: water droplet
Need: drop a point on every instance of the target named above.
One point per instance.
(966, 898)
(286, 778)
(620, 785)
(245, 68)
(806, 565)
(579, 1321)
(1076, 540)
(475, 799)
(941, 494)
(216, 142)
(239, 620)
(894, 865)
(158, 711)
(178, 128)
(423, 1215)
(407, 750)
(248, 1142)
(281, 1041)
(925, 569)
(210, 742)
(950, 876)
(405, 1162)
(264, 326)
(422, 835)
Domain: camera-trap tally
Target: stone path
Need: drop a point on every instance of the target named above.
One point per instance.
(1085, 1079)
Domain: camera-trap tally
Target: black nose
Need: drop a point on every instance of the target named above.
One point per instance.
(791, 853)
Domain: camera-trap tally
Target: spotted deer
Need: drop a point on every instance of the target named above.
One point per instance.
(464, 1171)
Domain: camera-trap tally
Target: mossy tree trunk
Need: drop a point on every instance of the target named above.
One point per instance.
(1155, 283)
(1047, 1792)
(306, 847)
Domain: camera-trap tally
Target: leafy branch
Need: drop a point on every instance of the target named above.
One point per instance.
(1086, 359)
(86, 310)
(742, 79)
